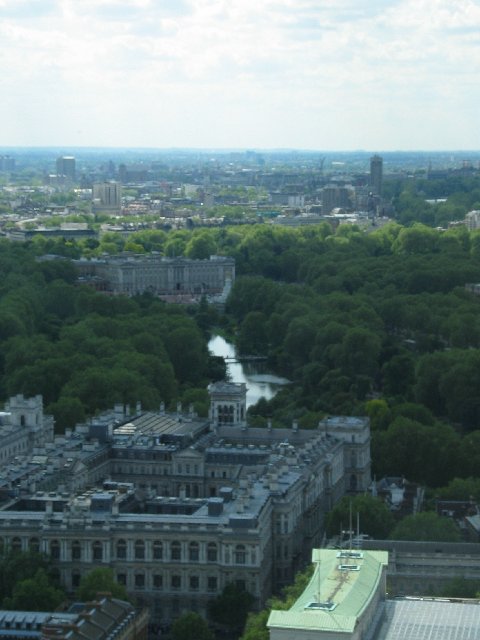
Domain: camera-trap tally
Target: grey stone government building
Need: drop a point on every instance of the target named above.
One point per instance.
(176, 505)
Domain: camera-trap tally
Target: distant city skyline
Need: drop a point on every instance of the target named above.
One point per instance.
(276, 74)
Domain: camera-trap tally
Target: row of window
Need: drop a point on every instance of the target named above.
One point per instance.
(159, 550)
(11, 451)
(146, 470)
(175, 583)
(136, 454)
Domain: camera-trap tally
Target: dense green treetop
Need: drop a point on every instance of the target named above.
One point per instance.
(191, 626)
(231, 607)
(374, 517)
(29, 581)
(426, 526)
(35, 594)
(462, 489)
(100, 580)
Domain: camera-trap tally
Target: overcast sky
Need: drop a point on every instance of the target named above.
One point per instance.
(306, 74)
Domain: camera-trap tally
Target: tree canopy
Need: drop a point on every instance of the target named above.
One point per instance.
(100, 580)
(29, 581)
(427, 526)
(35, 594)
(231, 607)
(374, 517)
(191, 626)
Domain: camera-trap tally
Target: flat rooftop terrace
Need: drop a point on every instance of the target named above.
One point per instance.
(421, 619)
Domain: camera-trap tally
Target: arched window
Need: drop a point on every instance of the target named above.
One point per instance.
(16, 545)
(193, 551)
(34, 545)
(139, 550)
(97, 550)
(121, 549)
(157, 550)
(194, 583)
(240, 554)
(76, 550)
(212, 552)
(55, 550)
(175, 550)
(139, 581)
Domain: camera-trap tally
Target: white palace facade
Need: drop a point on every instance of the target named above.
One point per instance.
(130, 274)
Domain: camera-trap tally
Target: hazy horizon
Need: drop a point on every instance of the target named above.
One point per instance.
(340, 75)
(226, 149)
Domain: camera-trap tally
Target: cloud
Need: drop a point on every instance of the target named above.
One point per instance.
(308, 71)
(26, 9)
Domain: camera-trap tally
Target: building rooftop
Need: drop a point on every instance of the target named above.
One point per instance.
(164, 428)
(341, 587)
(99, 620)
(344, 422)
(419, 619)
(344, 585)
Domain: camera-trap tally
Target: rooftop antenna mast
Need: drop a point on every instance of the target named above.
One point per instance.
(350, 532)
(319, 599)
(358, 527)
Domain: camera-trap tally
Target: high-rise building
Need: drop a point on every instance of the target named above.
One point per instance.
(335, 196)
(329, 194)
(66, 167)
(107, 194)
(376, 174)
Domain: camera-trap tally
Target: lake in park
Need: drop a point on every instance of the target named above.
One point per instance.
(260, 383)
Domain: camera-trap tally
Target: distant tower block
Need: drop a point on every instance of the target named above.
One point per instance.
(66, 167)
(228, 403)
(376, 174)
(107, 195)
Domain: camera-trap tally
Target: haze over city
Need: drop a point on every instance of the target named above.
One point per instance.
(341, 74)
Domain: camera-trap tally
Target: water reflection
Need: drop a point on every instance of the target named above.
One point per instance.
(260, 383)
